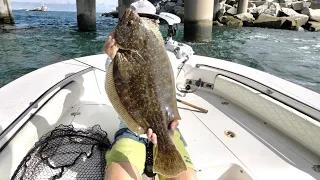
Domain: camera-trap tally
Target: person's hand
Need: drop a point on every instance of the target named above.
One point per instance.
(153, 137)
(110, 47)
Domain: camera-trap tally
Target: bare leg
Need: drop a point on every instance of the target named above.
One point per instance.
(126, 150)
(126, 158)
(122, 171)
(190, 174)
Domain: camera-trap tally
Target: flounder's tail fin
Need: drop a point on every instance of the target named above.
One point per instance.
(168, 163)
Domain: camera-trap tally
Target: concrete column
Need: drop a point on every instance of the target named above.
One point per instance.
(198, 16)
(86, 15)
(123, 5)
(216, 8)
(6, 16)
(242, 6)
(315, 4)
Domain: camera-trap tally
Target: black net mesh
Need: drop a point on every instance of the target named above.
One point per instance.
(66, 153)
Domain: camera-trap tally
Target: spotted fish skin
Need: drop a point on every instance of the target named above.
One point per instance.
(140, 86)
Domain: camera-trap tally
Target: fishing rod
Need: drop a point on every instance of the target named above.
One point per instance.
(193, 106)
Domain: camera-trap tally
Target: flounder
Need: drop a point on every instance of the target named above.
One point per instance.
(140, 86)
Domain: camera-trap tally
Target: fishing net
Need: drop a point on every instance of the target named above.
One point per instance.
(66, 153)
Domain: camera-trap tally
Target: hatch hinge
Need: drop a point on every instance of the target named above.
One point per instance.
(224, 103)
(316, 168)
(75, 113)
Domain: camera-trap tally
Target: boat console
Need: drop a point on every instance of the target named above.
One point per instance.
(181, 50)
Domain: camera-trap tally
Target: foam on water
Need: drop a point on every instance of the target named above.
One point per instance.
(304, 47)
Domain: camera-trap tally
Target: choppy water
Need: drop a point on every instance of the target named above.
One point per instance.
(42, 38)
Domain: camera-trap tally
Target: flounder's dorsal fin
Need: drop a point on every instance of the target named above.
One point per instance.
(117, 105)
(153, 27)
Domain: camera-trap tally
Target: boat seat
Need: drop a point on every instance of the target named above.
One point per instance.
(293, 123)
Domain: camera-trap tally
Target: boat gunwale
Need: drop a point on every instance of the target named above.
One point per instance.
(284, 95)
(34, 105)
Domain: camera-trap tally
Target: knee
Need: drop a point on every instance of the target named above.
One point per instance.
(121, 171)
(190, 174)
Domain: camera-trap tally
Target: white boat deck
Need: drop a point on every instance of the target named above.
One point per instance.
(23, 92)
(258, 150)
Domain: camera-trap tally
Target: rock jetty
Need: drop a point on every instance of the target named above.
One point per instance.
(297, 15)
(113, 14)
(283, 14)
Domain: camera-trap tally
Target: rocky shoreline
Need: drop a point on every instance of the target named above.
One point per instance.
(283, 14)
(279, 14)
(113, 14)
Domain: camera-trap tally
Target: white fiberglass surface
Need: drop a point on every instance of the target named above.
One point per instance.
(257, 151)
(258, 156)
(266, 152)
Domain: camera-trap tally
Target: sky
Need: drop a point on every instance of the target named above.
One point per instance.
(62, 5)
(108, 2)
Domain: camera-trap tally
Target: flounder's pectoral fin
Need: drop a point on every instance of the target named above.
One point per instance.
(174, 101)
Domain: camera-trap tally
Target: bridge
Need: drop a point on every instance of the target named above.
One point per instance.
(197, 18)
(6, 16)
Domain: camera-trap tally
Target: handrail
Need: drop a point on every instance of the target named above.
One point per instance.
(270, 91)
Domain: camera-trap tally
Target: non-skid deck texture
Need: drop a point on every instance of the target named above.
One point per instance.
(260, 155)
(257, 146)
(295, 124)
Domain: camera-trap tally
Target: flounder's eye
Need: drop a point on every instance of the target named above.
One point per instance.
(130, 22)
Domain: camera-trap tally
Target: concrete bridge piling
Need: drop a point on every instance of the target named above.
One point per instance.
(123, 4)
(86, 15)
(242, 6)
(6, 16)
(215, 8)
(198, 20)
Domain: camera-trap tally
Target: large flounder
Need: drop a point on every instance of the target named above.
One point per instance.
(140, 86)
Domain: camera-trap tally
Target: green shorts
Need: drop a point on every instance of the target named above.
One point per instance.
(128, 147)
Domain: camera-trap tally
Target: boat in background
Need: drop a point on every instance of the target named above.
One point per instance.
(42, 8)
(257, 126)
